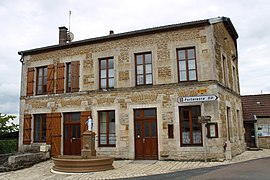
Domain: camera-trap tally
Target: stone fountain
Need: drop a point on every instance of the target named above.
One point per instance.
(87, 162)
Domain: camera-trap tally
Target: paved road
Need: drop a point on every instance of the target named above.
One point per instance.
(255, 169)
(249, 170)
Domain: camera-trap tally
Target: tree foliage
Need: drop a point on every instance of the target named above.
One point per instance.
(6, 124)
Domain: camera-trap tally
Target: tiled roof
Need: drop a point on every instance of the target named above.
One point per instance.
(258, 105)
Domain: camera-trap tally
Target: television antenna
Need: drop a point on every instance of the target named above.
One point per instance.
(70, 35)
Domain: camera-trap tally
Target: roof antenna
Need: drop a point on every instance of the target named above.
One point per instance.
(69, 21)
(70, 35)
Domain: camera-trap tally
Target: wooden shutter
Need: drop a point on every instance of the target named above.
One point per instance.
(84, 117)
(48, 128)
(56, 134)
(27, 129)
(50, 79)
(60, 78)
(75, 76)
(30, 81)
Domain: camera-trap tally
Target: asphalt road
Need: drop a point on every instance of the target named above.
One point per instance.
(249, 170)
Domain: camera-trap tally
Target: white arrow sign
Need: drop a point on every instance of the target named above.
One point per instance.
(188, 99)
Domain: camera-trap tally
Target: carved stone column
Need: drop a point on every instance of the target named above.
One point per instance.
(88, 144)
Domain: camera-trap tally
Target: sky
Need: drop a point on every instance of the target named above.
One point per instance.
(29, 24)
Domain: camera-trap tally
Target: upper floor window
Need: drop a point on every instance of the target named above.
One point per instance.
(143, 64)
(187, 70)
(106, 73)
(40, 128)
(225, 70)
(68, 77)
(41, 85)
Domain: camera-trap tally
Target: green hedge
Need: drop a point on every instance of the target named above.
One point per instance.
(8, 146)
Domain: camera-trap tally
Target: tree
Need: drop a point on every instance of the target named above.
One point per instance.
(6, 126)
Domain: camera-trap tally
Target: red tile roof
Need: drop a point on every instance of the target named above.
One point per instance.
(258, 105)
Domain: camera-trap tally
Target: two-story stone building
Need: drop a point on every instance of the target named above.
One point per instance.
(146, 91)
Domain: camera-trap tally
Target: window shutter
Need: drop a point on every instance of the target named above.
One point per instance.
(50, 79)
(55, 134)
(60, 78)
(84, 117)
(48, 128)
(27, 129)
(30, 81)
(75, 76)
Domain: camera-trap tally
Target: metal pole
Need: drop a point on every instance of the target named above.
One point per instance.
(204, 134)
(204, 141)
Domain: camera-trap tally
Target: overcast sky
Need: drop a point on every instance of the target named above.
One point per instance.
(28, 24)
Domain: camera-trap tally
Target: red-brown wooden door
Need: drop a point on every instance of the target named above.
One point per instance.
(146, 139)
(72, 134)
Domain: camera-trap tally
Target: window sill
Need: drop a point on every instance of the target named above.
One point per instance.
(191, 148)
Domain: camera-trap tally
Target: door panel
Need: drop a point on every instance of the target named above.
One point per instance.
(72, 134)
(56, 134)
(146, 142)
(72, 139)
(138, 140)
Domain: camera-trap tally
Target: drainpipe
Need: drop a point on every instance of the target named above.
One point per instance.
(20, 143)
(21, 60)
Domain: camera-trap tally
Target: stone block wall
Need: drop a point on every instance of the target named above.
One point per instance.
(125, 97)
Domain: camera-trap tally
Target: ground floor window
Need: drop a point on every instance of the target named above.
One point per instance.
(106, 128)
(190, 128)
(40, 128)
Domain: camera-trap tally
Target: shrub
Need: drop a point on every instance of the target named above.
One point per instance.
(8, 146)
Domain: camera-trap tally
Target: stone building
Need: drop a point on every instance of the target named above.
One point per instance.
(169, 92)
(256, 115)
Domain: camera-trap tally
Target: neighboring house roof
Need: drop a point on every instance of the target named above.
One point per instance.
(227, 22)
(255, 106)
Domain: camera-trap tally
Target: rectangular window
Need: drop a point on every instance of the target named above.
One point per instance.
(143, 63)
(239, 124)
(106, 73)
(186, 60)
(191, 129)
(40, 128)
(170, 131)
(41, 85)
(228, 114)
(235, 84)
(68, 77)
(225, 73)
(106, 127)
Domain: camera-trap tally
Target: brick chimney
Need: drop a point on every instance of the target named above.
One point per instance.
(62, 35)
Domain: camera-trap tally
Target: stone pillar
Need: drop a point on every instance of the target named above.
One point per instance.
(88, 144)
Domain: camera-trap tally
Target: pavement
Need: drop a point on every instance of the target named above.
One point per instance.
(125, 168)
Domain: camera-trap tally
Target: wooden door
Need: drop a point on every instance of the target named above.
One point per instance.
(146, 141)
(72, 134)
(54, 125)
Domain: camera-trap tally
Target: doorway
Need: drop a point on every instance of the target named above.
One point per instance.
(145, 132)
(72, 134)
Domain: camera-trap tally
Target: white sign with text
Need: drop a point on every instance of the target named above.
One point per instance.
(188, 99)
